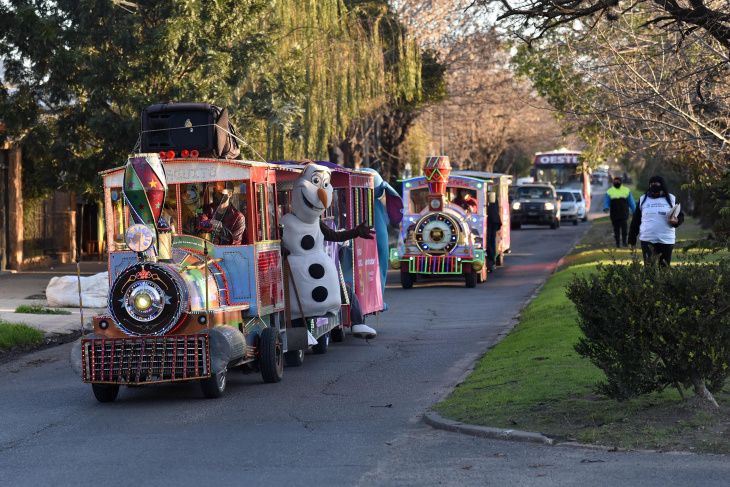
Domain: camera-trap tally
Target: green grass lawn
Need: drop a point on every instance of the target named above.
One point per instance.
(534, 380)
(18, 335)
(39, 309)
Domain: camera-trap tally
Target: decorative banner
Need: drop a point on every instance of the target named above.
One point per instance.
(367, 276)
(145, 188)
(437, 170)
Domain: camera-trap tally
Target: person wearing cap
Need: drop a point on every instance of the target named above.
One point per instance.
(620, 202)
(655, 221)
(221, 219)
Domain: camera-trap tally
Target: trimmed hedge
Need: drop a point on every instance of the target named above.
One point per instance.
(651, 327)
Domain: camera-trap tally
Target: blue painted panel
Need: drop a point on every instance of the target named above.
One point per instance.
(239, 265)
(118, 261)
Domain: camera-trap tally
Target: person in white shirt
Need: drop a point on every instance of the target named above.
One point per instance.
(651, 223)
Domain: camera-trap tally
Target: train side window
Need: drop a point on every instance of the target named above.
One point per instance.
(119, 219)
(260, 212)
(271, 223)
(170, 207)
(419, 199)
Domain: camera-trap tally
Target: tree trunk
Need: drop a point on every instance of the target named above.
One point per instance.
(701, 390)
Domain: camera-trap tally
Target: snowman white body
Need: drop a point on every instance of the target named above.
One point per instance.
(313, 272)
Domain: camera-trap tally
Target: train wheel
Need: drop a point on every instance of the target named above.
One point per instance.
(215, 385)
(406, 280)
(471, 279)
(295, 358)
(337, 334)
(271, 360)
(105, 392)
(322, 345)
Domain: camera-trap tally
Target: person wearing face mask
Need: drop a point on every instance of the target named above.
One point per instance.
(221, 219)
(620, 202)
(655, 221)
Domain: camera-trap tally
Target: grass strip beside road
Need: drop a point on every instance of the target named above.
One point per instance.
(39, 309)
(14, 335)
(533, 380)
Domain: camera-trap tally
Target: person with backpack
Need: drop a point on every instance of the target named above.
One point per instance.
(621, 204)
(655, 221)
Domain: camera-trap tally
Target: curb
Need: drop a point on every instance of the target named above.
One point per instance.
(435, 420)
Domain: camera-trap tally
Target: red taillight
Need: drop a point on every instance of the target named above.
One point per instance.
(184, 153)
(194, 153)
(170, 154)
(163, 155)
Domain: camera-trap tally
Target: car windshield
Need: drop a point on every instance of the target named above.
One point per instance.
(566, 196)
(578, 196)
(534, 193)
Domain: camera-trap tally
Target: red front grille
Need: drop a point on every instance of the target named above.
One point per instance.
(271, 292)
(145, 360)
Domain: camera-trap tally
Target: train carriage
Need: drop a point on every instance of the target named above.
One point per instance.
(499, 184)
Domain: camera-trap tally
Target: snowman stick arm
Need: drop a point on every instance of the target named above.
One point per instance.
(337, 236)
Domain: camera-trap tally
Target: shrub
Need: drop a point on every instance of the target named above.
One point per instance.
(650, 327)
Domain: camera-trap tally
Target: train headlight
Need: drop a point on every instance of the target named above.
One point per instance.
(142, 301)
(549, 206)
(516, 205)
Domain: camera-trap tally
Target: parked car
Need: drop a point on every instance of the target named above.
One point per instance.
(536, 204)
(581, 204)
(568, 206)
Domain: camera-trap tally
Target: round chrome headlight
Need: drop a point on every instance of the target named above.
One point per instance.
(148, 299)
(144, 300)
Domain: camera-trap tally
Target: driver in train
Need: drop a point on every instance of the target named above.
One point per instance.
(465, 200)
(222, 219)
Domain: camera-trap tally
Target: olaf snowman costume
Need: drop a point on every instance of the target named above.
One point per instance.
(313, 271)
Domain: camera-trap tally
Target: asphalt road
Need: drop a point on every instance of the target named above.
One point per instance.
(350, 417)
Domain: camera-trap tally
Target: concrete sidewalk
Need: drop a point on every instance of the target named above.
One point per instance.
(29, 287)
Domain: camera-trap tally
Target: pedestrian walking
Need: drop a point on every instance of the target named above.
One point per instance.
(620, 202)
(654, 223)
(494, 223)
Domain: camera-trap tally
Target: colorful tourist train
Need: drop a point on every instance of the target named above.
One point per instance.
(199, 280)
(445, 230)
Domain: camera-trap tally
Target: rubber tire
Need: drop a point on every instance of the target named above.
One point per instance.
(471, 279)
(337, 335)
(295, 358)
(214, 386)
(322, 345)
(271, 355)
(105, 392)
(575, 222)
(406, 280)
(554, 225)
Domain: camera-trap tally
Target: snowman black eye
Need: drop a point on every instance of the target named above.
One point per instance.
(316, 180)
(326, 183)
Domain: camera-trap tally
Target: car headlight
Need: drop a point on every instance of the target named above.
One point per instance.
(516, 205)
(549, 206)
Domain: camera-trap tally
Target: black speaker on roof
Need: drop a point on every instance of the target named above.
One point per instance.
(189, 126)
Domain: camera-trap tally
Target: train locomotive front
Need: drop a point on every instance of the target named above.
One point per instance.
(182, 307)
(443, 232)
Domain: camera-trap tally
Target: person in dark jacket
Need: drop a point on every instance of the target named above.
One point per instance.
(222, 220)
(653, 225)
(620, 202)
(494, 223)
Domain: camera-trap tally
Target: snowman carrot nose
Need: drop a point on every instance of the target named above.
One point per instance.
(322, 196)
